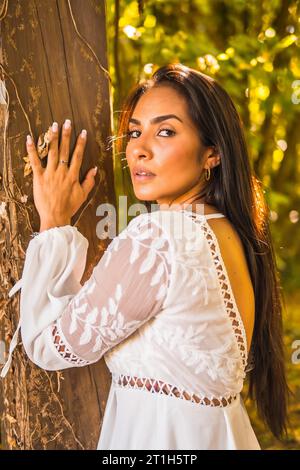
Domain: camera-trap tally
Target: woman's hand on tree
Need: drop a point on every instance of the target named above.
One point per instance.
(57, 192)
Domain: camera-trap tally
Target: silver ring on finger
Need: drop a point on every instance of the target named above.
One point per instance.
(63, 161)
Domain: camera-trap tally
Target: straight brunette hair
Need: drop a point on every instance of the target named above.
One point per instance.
(236, 192)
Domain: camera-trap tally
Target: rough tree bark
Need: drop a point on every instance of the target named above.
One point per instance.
(53, 66)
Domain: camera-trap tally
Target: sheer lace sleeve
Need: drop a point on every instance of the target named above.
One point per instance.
(64, 324)
(125, 290)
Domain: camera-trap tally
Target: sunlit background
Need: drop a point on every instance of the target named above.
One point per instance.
(253, 49)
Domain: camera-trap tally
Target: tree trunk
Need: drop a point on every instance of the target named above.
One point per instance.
(53, 66)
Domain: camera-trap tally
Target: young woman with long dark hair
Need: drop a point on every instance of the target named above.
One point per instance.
(186, 300)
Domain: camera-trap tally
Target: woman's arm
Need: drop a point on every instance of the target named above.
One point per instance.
(57, 192)
(64, 324)
(127, 288)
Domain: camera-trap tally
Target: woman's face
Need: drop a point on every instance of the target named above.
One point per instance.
(169, 148)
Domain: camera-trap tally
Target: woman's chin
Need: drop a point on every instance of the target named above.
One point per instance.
(144, 196)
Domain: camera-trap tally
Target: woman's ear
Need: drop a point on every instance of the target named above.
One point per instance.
(213, 158)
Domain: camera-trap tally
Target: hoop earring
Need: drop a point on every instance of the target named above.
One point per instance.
(207, 174)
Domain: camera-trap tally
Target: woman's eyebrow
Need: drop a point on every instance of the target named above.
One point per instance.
(157, 119)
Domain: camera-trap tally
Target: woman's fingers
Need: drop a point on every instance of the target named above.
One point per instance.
(53, 148)
(56, 156)
(64, 149)
(34, 159)
(89, 181)
(78, 155)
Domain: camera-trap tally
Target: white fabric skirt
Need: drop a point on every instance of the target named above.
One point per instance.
(137, 419)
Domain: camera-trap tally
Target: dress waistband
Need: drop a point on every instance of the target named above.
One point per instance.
(163, 388)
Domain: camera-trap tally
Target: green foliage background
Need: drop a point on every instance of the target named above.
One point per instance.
(252, 48)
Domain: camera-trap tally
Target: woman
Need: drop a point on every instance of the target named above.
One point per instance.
(184, 295)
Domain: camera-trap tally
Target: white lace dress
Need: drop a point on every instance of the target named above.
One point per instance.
(160, 309)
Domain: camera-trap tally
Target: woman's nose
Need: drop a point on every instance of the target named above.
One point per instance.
(141, 151)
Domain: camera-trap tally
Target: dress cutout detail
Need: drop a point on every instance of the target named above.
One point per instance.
(225, 286)
(157, 386)
(65, 352)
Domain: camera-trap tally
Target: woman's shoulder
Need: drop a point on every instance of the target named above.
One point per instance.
(145, 229)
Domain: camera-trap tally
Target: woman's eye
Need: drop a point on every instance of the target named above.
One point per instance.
(167, 130)
(130, 133)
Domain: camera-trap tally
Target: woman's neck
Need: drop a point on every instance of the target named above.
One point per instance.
(182, 202)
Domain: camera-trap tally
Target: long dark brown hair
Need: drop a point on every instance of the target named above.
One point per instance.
(236, 192)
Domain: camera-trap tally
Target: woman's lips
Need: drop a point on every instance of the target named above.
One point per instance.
(143, 178)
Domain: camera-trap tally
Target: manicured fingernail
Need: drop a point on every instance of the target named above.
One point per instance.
(55, 127)
(95, 170)
(83, 133)
(29, 140)
(67, 124)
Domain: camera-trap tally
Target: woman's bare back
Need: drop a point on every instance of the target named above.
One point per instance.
(234, 258)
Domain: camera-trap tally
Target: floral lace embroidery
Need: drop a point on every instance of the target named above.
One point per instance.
(107, 324)
(226, 290)
(221, 364)
(157, 386)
